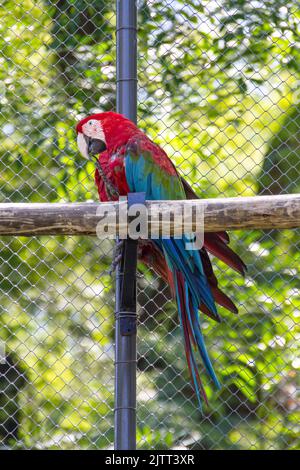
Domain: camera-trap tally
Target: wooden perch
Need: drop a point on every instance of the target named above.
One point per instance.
(259, 212)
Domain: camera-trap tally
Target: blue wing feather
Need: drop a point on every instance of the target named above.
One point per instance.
(144, 175)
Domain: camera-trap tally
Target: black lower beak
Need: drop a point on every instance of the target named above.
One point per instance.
(95, 146)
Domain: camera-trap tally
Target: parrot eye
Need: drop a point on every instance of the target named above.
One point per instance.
(93, 129)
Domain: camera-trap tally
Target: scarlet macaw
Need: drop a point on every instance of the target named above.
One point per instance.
(130, 162)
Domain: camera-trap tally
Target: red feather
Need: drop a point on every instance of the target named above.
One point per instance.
(120, 134)
(218, 248)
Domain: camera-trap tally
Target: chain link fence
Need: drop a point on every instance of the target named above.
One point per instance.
(218, 89)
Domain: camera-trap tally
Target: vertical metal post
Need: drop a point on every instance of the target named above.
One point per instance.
(125, 336)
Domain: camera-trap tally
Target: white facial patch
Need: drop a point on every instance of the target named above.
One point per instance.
(82, 145)
(93, 128)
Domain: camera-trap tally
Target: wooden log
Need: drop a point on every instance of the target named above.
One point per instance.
(259, 212)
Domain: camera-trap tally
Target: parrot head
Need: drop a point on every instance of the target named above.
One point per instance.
(103, 131)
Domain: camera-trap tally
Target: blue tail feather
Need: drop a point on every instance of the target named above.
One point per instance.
(193, 291)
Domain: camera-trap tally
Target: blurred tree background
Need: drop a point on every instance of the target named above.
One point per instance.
(219, 90)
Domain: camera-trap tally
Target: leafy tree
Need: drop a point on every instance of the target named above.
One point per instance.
(215, 80)
(281, 168)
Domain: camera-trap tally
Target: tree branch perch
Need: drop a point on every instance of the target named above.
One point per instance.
(259, 212)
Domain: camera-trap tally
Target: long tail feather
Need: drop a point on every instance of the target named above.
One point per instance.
(188, 292)
(218, 295)
(216, 247)
(189, 338)
(223, 300)
(153, 257)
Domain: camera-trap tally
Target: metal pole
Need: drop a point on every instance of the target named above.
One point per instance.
(125, 335)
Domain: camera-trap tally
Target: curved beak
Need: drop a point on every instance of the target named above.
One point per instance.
(89, 146)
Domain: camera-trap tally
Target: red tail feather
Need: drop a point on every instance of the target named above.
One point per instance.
(216, 247)
(223, 300)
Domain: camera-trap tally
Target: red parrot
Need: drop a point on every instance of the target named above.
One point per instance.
(131, 162)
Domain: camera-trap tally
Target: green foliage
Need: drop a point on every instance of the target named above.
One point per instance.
(281, 169)
(215, 83)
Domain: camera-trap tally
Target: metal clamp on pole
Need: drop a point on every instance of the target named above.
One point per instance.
(125, 348)
(127, 313)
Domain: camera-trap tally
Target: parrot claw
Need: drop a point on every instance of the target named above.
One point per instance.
(117, 256)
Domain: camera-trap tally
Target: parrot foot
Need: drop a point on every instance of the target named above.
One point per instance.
(117, 256)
